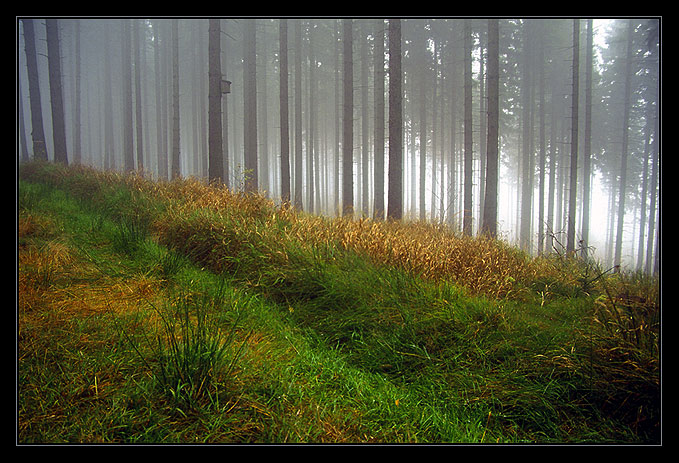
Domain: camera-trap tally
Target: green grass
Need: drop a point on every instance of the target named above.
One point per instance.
(163, 313)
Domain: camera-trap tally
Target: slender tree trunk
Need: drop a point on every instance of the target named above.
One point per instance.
(175, 171)
(56, 91)
(491, 193)
(215, 147)
(347, 123)
(37, 131)
(573, 188)
(526, 211)
(423, 123)
(468, 155)
(587, 174)
(285, 129)
(542, 154)
(77, 145)
(137, 92)
(299, 198)
(128, 137)
(250, 105)
(395, 188)
(22, 128)
(652, 213)
(625, 147)
(311, 151)
(161, 153)
(378, 188)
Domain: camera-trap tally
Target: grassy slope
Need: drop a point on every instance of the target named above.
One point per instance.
(175, 312)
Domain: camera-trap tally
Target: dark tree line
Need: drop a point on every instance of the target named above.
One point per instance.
(544, 132)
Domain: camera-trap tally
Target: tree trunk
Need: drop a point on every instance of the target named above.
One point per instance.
(56, 91)
(625, 147)
(285, 129)
(215, 148)
(378, 187)
(37, 131)
(161, 153)
(347, 123)
(491, 193)
(587, 174)
(570, 243)
(137, 91)
(77, 146)
(175, 172)
(395, 188)
(468, 159)
(250, 105)
(526, 210)
(299, 198)
(128, 137)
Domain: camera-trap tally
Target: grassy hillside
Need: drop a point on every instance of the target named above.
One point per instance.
(177, 312)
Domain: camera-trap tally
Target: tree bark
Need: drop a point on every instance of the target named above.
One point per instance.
(37, 130)
(347, 123)
(468, 144)
(56, 91)
(285, 129)
(250, 105)
(395, 173)
(573, 188)
(378, 183)
(215, 148)
(489, 226)
(625, 147)
(175, 171)
(128, 137)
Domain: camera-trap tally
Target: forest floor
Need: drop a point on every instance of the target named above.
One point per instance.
(175, 312)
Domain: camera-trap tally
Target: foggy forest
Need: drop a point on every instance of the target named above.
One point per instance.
(544, 132)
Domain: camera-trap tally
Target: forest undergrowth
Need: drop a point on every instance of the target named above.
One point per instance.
(179, 312)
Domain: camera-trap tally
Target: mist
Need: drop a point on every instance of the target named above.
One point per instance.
(578, 119)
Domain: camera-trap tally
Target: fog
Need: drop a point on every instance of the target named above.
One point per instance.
(136, 95)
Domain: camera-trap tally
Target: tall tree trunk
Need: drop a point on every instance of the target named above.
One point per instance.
(285, 129)
(587, 174)
(56, 91)
(542, 154)
(652, 213)
(423, 121)
(109, 159)
(225, 113)
(77, 145)
(175, 171)
(347, 123)
(625, 147)
(37, 131)
(526, 211)
(489, 226)
(263, 162)
(364, 122)
(161, 153)
(128, 137)
(573, 188)
(395, 188)
(250, 105)
(311, 151)
(378, 95)
(468, 159)
(22, 128)
(137, 91)
(299, 186)
(215, 147)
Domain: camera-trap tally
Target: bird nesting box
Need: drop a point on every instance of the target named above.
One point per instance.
(226, 86)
